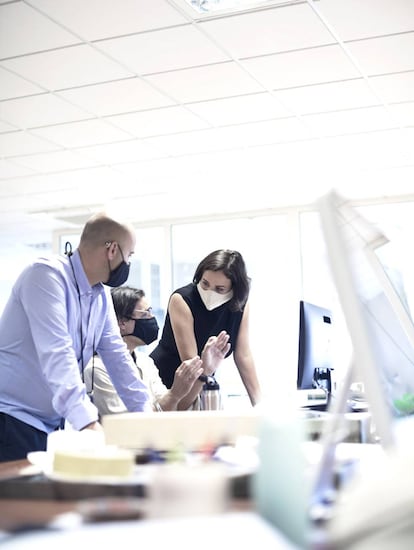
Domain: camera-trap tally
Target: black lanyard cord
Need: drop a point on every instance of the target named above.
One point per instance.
(68, 252)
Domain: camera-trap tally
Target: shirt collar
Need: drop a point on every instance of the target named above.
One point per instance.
(81, 278)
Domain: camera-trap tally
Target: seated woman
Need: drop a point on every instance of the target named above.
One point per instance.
(139, 327)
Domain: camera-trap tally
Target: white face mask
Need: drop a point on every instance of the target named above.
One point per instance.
(212, 299)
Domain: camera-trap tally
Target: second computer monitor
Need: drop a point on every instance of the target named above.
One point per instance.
(314, 353)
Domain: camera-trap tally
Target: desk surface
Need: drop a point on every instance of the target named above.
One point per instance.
(233, 529)
(15, 511)
(61, 520)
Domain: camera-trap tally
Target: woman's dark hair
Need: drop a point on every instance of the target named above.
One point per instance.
(231, 263)
(125, 299)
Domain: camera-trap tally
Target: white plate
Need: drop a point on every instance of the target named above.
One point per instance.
(44, 461)
(236, 463)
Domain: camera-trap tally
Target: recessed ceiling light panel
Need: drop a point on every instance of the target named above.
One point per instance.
(209, 8)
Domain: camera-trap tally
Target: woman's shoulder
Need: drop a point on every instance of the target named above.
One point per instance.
(185, 296)
(185, 291)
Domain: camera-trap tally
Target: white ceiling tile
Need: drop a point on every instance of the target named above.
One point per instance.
(31, 201)
(95, 19)
(10, 169)
(395, 87)
(387, 54)
(236, 110)
(174, 48)
(159, 121)
(15, 86)
(54, 199)
(74, 66)
(125, 151)
(152, 169)
(231, 137)
(135, 188)
(404, 113)
(64, 181)
(265, 132)
(325, 64)
(4, 127)
(120, 96)
(218, 165)
(23, 143)
(77, 134)
(231, 120)
(350, 121)
(77, 188)
(328, 97)
(407, 140)
(56, 162)
(366, 151)
(402, 182)
(24, 30)
(353, 19)
(39, 110)
(214, 162)
(201, 83)
(105, 181)
(283, 157)
(191, 143)
(268, 31)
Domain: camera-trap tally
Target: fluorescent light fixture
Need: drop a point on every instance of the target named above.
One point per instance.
(203, 6)
(211, 7)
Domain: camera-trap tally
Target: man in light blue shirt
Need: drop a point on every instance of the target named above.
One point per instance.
(58, 314)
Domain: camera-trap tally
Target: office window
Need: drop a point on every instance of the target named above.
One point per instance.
(72, 238)
(317, 284)
(12, 262)
(148, 266)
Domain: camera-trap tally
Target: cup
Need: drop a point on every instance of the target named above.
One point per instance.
(179, 489)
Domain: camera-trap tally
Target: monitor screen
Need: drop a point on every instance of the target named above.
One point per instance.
(314, 344)
(373, 299)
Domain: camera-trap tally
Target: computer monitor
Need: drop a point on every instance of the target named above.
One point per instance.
(314, 350)
(375, 310)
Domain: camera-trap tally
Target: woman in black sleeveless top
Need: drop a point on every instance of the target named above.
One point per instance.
(214, 304)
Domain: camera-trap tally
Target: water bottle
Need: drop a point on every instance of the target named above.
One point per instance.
(210, 395)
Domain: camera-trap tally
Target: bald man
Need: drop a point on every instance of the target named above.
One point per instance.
(60, 312)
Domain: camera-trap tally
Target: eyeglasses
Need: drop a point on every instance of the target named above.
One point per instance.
(142, 314)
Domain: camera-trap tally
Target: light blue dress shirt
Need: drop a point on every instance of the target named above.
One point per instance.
(50, 326)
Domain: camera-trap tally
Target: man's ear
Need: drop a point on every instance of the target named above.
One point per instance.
(111, 246)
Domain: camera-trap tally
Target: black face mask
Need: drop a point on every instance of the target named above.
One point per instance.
(146, 330)
(120, 274)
